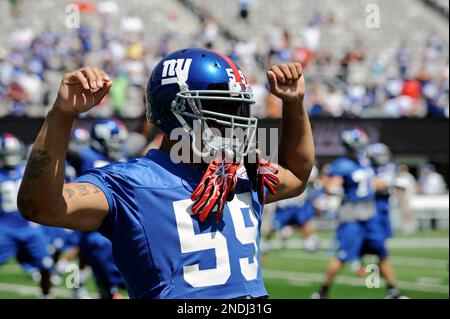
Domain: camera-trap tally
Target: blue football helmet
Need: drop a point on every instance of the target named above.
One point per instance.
(12, 150)
(80, 136)
(379, 154)
(108, 136)
(198, 88)
(355, 140)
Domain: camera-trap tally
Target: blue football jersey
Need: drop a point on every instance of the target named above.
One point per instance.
(162, 250)
(9, 188)
(358, 179)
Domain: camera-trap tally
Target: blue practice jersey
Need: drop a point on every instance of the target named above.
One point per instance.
(164, 252)
(358, 202)
(358, 178)
(9, 188)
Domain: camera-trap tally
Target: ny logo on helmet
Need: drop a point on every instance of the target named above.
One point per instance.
(175, 71)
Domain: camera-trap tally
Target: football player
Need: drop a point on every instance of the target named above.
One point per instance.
(106, 145)
(102, 146)
(18, 238)
(359, 230)
(299, 212)
(379, 155)
(178, 229)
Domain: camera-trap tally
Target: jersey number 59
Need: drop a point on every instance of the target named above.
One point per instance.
(191, 242)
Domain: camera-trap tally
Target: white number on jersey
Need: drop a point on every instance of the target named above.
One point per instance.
(191, 242)
(363, 178)
(8, 195)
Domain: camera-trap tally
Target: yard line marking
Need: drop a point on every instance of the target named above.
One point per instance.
(407, 243)
(33, 291)
(350, 281)
(402, 261)
(430, 280)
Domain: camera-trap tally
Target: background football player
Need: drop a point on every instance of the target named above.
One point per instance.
(105, 145)
(18, 238)
(299, 212)
(379, 155)
(359, 231)
(177, 230)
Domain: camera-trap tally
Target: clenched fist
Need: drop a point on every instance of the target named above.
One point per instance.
(81, 90)
(287, 82)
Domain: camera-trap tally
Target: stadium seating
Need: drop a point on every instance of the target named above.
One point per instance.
(350, 23)
(347, 32)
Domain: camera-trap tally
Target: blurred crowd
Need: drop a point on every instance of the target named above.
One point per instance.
(32, 65)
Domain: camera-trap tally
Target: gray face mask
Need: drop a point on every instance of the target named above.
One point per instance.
(238, 134)
(11, 158)
(113, 149)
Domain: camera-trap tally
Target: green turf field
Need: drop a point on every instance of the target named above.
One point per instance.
(420, 260)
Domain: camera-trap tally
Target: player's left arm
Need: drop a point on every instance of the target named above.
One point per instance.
(296, 152)
(381, 185)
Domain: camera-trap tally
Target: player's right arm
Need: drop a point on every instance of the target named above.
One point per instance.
(43, 196)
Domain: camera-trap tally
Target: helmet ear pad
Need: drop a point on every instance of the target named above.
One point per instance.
(158, 111)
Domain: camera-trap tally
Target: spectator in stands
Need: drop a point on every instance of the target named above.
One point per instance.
(435, 94)
(118, 92)
(260, 94)
(431, 182)
(387, 84)
(403, 58)
(132, 24)
(302, 55)
(85, 34)
(350, 57)
(311, 35)
(108, 7)
(405, 187)
(275, 39)
(334, 101)
(16, 7)
(244, 8)
(407, 178)
(209, 32)
(316, 102)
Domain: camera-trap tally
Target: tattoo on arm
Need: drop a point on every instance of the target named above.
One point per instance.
(37, 163)
(96, 189)
(69, 192)
(82, 190)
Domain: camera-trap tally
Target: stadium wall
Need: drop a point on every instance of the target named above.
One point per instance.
(426, 138)
(405, 136)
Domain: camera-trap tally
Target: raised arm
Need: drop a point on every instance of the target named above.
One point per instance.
(43, 196)
(296, 152)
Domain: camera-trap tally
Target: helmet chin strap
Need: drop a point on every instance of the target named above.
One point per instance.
(213, 143)
(216, 144)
